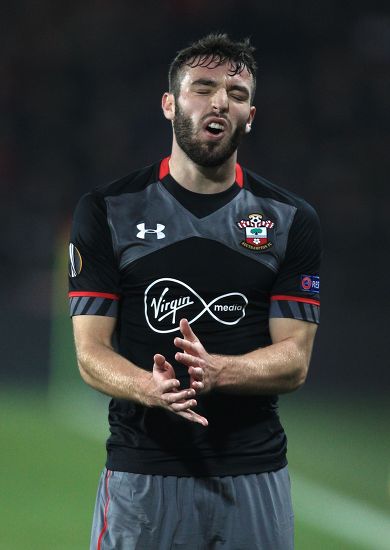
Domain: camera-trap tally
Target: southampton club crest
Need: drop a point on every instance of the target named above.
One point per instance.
(256, 232)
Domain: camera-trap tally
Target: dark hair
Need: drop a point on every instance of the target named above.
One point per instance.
(211, 51)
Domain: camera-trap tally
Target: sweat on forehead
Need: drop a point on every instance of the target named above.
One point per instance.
(213, 61)
(202, 70)
(211, 51)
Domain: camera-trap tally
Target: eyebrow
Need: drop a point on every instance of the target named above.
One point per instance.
(204, 82)
(213, 84)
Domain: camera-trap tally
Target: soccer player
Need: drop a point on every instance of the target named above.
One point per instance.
(194, 292)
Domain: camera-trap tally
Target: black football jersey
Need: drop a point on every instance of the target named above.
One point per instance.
(149, 252)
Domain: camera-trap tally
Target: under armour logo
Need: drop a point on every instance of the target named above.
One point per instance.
(143, 230)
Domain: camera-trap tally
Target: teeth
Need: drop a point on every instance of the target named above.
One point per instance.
(216, 126)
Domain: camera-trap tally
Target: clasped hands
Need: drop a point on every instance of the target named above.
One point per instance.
(201, 368)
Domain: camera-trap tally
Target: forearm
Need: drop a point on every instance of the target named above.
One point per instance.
(278, 368)
(107, 371)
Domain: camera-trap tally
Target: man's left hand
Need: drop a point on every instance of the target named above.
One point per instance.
(201, 365)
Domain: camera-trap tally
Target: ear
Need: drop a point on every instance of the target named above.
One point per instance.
(168, 105)
(248, 126)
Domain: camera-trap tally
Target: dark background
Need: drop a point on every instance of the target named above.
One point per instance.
(80, 88)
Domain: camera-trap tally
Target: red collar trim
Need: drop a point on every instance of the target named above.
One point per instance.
(164, 168)
(164, 171)
(239, 175)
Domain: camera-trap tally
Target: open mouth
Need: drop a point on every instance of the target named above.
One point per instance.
(215, 128)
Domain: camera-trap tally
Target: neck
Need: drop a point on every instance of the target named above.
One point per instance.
(200, 179)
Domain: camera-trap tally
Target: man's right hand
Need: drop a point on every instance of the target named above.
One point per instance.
(167, 394)
(105, 370)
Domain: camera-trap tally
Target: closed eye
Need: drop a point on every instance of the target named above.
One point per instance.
(239, 97)
(239, 93)
(202, 91)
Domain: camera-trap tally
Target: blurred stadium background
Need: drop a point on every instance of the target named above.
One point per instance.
(80, 87)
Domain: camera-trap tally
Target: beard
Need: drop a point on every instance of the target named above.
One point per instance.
(207, 154)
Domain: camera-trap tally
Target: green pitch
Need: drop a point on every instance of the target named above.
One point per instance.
(51, 461)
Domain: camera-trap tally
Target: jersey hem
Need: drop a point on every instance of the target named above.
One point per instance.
(192, 469)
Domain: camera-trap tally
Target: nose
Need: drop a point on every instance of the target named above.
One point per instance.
(220, 102)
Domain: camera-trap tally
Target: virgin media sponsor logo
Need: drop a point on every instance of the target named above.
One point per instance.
(169, 300)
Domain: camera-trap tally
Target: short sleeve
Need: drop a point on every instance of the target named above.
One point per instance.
(93, 273)
(296, 291)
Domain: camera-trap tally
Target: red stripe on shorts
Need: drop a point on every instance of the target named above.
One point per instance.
(105, 523)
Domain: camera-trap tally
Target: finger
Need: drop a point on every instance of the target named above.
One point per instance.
(189, 360)
(162, 366)
(194, 417)
(183, 406)
(185, 345)
(176, 396)
(159, 360)
(187, 331)
(169, 386)
(161, 363)
(197, 386)
(197, 373)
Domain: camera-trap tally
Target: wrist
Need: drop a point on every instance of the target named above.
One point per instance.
(228, 375)
(218, 371)
(144, 387)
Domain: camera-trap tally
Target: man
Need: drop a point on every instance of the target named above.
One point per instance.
(207, 276)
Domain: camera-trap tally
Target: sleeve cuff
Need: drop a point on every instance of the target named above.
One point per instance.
(93, 303)
(295, 307)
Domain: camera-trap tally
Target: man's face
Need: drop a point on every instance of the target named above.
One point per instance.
(212, 113)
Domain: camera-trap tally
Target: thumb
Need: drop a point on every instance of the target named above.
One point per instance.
(159, 362)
